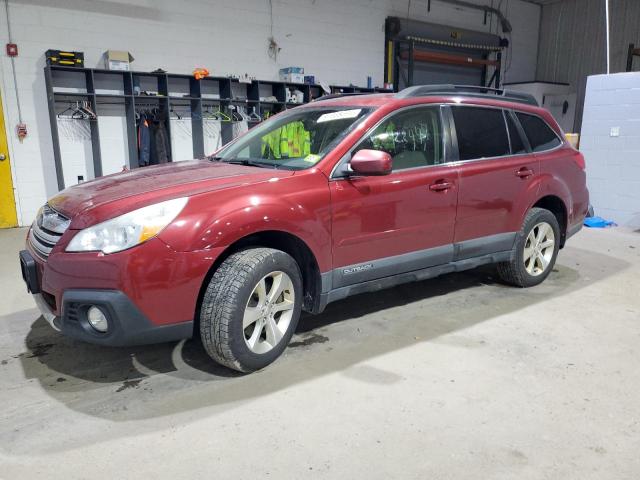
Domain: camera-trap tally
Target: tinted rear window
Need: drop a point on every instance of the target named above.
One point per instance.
(540, 135)
(481, 132)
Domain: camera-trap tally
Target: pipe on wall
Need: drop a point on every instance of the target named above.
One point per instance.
(505, 24)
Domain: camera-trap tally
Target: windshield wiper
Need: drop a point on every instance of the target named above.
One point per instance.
(251, 163)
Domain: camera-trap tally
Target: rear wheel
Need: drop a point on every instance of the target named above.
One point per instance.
(251, 308)
(535, 250)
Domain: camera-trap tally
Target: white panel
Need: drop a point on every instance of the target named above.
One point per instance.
(611, 145)
(181, 141)
(212, 136)
(75, 150)
(113, 138)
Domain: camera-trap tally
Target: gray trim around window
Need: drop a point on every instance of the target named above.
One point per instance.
(450, 139)
(454, 134)
(445, 139)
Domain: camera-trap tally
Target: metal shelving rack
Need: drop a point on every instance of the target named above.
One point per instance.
(192, 93)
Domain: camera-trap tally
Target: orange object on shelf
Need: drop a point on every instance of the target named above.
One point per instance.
(200, 73)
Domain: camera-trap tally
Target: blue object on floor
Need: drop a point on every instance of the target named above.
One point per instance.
(598, 222)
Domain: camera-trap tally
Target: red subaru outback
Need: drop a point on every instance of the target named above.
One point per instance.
(330, 199)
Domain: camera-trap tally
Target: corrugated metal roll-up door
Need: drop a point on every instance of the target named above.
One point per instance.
(421, 53)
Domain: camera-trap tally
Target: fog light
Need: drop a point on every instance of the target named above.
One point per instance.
(97, 319)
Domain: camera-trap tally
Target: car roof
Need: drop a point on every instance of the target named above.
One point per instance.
(391, 101)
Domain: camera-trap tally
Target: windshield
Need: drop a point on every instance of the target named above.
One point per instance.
(294, 140)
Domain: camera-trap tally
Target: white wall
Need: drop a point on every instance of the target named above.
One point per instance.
(340, 41)
(613, 157)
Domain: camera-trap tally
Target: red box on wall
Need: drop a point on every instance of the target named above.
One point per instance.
(12, 50)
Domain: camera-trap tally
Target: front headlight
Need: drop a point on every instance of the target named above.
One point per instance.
(127, 230)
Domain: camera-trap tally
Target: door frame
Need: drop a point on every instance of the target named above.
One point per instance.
(8, 207)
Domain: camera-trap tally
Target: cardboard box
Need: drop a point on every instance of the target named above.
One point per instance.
(292, 77)
(284, 71)
(117, 60)
(574, 139)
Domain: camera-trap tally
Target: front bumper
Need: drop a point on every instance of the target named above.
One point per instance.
(127, 324)
(163, 284)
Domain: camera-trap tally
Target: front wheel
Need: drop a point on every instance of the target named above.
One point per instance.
(251, 308)
(535, 250)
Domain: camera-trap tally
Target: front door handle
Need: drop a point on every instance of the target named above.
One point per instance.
(440, 186)
(2, 157)
(524, 172)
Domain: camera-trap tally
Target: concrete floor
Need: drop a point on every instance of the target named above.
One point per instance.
(457, 377)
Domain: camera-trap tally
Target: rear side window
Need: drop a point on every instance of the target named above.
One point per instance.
(517, 147)
(540, 135)
(481, 132)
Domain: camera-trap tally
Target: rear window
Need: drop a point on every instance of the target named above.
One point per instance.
(481, 132)
(541, 136)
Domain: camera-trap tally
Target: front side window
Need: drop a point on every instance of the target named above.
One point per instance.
(481, 132)
(295, 140)
(412, 137)
(540, 135)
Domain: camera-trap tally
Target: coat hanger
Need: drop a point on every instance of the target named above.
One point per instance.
(235, 116)
(221, 116)
(86, 109)
(254, 117)
(79, 111)
(207, 113)
(178, 116)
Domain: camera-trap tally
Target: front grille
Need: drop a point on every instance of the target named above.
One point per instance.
(72, 311)
(47, 230)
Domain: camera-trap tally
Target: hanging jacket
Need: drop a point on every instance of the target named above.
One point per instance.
(144, 142)
(163, 148)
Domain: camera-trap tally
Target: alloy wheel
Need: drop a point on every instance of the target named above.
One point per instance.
(268, 313)
(538, 249)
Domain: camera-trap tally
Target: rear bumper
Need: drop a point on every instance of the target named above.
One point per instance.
(573, 229)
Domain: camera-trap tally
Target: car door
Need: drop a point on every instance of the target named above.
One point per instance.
(403, 221)
(496, 172)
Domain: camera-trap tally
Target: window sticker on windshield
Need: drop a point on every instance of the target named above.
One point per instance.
(312, 158)
(341, 115)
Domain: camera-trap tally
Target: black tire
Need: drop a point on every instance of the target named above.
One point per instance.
(514, 271)
(225, 300)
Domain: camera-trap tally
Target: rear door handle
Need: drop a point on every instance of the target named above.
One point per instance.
(440, 186)
(524, 172)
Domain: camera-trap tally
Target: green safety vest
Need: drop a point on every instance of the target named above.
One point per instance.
(289, 141)
(386, 139)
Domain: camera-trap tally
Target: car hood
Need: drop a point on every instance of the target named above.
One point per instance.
(112, 195)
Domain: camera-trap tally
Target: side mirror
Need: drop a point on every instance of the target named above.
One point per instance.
(371, 162)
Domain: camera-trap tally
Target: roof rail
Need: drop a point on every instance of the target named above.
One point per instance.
(329, 96)
(467, 91)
